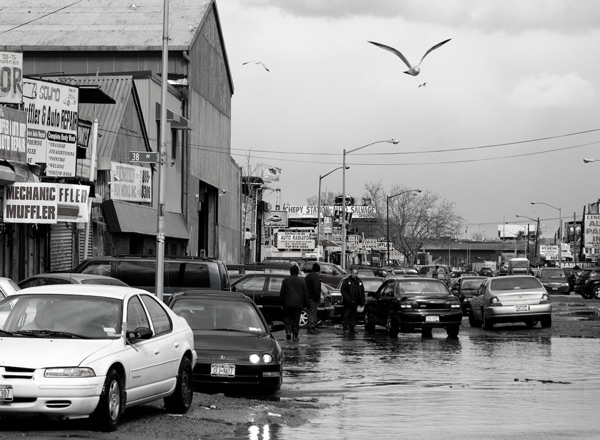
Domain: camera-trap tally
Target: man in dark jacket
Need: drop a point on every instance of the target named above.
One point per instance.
(353, 295)
(313, 285)
(294, 296)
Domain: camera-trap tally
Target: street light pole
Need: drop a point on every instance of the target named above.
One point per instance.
(387, 215)
(560, 228)
(537, 226)
(319, 206)
(389, 141)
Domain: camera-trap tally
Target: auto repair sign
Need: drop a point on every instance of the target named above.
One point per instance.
(11, 78)
(592, 231)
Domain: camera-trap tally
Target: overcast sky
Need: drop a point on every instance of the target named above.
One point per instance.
(510, 108)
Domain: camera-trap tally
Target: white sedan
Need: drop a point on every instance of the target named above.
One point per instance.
(74, 350)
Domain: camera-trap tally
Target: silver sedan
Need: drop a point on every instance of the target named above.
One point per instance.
(513, 298)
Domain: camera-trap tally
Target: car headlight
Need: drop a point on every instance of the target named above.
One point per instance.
(266, 358)
(69, 372)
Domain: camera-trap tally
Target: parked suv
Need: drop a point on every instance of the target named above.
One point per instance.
(181, 273)
(587, 283)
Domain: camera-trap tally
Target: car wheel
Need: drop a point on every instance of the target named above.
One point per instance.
(531, 323)
(596, 292)
(452, 331)
(369, 326)
(181, 400)
(110, 407)
(392, 327)
(487, 323)
(427, 332)
(303, 318)
(546, 321)
(473, 322)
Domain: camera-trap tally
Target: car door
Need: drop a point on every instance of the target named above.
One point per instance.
(386, 296)
(477, 300)
(271, 298)
(146, 357)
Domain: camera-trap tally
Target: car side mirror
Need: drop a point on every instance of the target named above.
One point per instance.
(234, 289)
(138, 334)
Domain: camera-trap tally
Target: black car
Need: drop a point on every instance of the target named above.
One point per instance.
(407, 304)
(264, 289)
(486, 272)
(465, 288)
(587, 283)
(329, 273)
(233, 341)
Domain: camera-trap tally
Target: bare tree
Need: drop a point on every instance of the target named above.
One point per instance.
(327, 198)
(415, 219)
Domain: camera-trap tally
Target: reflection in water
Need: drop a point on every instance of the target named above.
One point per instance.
(414, 387)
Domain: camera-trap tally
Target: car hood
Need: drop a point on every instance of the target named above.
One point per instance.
(234, 341)
(49, 352)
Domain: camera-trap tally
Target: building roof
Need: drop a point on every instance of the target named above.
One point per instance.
(102, 25)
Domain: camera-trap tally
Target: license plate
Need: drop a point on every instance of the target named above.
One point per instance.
(222, 370)
(555, 288)
(6, 393)
(432, 318)
(522, 308)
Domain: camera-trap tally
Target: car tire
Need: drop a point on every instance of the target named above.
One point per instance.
(392, 327)
(304, 318)
(596, 292)
(487, 323)
(111, 405)
(473, 322)
(181, 400)
(546, 321)
(452, 331)
(531, 323)
(368, 321)
(427, 332)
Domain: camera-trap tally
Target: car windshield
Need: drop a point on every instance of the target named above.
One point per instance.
(214, 314)
(471, 284)
(61, 316)
(372, 285)
(553, 273)
(515, 283)
(421, 287)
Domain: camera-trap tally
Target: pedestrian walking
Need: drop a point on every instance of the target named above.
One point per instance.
(313, 286)
(353, 295)
(294, 297)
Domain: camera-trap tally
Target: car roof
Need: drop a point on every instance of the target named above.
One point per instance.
(210, 294)
(71, 276)
(118, 292)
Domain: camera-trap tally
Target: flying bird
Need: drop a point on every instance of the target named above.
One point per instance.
(257, 62)
(412, 70)
(422, 85)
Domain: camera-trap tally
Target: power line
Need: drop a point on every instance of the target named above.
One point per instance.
(39, 18)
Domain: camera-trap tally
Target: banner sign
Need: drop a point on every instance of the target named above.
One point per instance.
(51, 125)
(276, 218)
(358, 211)
(130, 182)
(11, 78)
(592, 231)
(13, 134)
(288, 240)
(46, 203)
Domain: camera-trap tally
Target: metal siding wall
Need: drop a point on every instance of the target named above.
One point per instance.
(61, 247)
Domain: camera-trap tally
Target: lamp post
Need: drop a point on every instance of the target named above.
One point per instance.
(319, 206)
(389, 141)
(560, 228)
(387, 216)
(537, 228)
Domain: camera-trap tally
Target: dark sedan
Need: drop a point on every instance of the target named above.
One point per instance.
(264, 289)
(587, 283)
(233, 341)
(407, 304)
(465, 288)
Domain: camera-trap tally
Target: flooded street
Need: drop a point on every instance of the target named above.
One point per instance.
(500, 384)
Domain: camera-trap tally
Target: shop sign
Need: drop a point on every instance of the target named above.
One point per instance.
(11, 77)
(131, 183)
(46, 203)
(13, 134)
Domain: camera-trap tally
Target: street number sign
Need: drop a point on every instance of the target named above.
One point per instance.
(143, 156)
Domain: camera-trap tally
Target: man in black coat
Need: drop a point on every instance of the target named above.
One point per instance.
(294, 297)
(353, 295)
(313, 285)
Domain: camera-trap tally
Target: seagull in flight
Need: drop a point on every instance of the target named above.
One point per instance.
(422, 85)
(412, 70)
(256, 62)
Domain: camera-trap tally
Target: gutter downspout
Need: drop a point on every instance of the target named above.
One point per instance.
(185, 155)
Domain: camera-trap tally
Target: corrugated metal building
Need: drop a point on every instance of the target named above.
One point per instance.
(117, 46)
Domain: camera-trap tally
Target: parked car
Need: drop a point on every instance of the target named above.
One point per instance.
(511, 298)
(554, 279)
(47, 278)
(89, 350)
(233, 341)
(330, 273)
(370, 271)
(486, 272)
(264, 289)
(406, 271)
(370, 283)
(464, 289)
(407, 304)
(7, 287)
(180, 273)
(587, 283)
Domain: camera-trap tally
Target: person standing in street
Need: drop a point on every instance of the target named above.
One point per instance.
(313, 285)
(294, 296)
(353, 295)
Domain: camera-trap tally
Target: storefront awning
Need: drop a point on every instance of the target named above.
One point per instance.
(123, 217)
